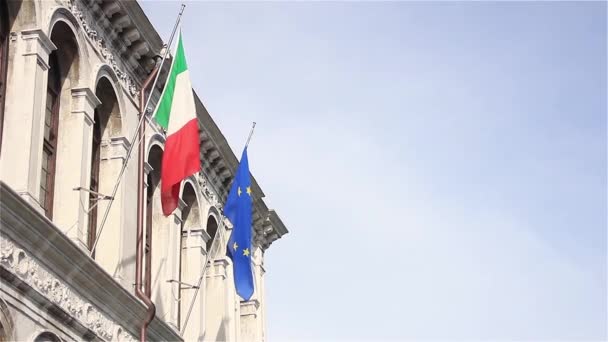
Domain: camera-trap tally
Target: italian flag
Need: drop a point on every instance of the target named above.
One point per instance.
(176, 113)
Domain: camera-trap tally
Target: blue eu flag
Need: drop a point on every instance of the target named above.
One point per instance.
(238, 211)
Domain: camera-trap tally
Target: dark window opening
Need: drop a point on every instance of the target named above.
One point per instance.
(49, 148)
(211, 230)
(95, 161)
(148, 239)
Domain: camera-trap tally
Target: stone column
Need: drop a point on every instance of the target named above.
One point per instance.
(173, 266)
(74, 166)
(221, 306)
(20, 164)
(218, 290)
(252, 311)
(166, 237)
(194, 242)
(116, 243)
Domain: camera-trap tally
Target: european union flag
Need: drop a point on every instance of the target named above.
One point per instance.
(238, 211)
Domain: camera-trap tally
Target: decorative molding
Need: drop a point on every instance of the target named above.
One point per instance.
(250, 307)
(85, 102)
(102, 47)
(115, 148)
(202, 233)
(29, 270)
(195, 238)
(39, 44)
(77, 273)
(88, 94)
(177, 217)
(181, 205)
(219, 268)
(208, 191)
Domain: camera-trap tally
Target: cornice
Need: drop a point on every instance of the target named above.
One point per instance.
(66, 275)
(100, 44)
(121, 34)
(219, 164)
(20, 264)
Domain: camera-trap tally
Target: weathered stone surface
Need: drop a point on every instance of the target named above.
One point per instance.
(105, 50)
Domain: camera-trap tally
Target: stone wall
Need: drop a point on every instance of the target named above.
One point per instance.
(50, 283)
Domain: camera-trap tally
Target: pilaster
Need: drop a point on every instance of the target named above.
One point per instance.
(116, 148)
(173, 265)
(193, 256)
(20, 166)
(117, 242)
(166, 237)
(74, 166)
(219, 308)
(252, 315)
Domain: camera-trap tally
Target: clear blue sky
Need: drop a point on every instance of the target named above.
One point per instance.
(441, 166)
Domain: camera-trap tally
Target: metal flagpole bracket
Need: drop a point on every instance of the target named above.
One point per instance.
(186, 287)
(100, 197)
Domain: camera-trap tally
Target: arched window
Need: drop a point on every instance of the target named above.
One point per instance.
(4, 32)
(47, 337)
(93, 198)
(6, 322)
(190, 222)
(190, 214)
(212, 231)
(63, 64)
(152, 202)
(107, 125)
(162, 239)
(49, 147)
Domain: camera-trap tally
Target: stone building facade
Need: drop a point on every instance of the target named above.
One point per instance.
(71, 73)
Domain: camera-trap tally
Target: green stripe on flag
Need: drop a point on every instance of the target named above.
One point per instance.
(163, 110)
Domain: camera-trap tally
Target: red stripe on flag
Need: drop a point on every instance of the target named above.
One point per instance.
(181, 159)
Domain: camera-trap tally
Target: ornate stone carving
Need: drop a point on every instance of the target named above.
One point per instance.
(30, 271)
(100, 44)
(208, 191)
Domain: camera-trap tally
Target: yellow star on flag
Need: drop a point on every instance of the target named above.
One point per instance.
(238, 191)
(246, 252)
(235, 246)
(249, 191)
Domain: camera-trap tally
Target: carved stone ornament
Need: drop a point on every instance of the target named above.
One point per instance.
(208, 191)
(30, 271)
(100, 44)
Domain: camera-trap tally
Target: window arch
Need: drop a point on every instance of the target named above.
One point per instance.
(47, 336)
(211, 230)
(152, 198)
(6, 322)
(191, 221)
(191, 213)
(63, 64)
(161, 258)
(107, 124)
(94, 182)
(49, 147)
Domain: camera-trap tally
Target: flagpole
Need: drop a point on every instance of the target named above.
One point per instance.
(250, 135)
(139, 253)
(210, 253)
(209, 258)
(179, 17)
(137, 132)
